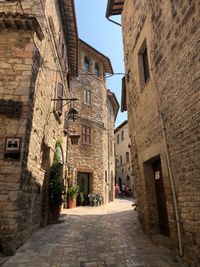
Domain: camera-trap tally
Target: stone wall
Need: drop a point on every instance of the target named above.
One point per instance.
(171, 30)
(124, 169)
(93, 158)
(30, 74)
(15, 80)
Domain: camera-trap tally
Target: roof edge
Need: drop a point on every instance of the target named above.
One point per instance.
(113, 97)
(100, 54)
(120, 126)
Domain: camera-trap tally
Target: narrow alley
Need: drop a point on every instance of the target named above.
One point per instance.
(93, 237)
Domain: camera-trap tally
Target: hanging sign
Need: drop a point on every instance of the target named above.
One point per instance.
(10, 107)
(157, 175)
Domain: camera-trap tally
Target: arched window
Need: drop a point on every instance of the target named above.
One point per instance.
(86, 64)
(96, 70)
(117, 139)
(127, 156)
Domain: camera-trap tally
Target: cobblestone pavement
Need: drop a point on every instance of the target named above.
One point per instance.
(93, 237)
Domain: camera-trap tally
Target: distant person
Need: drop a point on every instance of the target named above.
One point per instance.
(123, 187)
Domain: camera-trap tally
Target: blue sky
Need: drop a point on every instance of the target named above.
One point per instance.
(106, 37)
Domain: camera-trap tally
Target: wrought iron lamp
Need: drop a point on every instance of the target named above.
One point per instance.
(73, 114)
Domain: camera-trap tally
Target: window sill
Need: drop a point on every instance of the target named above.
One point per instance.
(86, 144)
(86, 104)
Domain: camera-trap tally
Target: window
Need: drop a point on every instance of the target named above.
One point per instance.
(120, 160)
(62, 49)
(106, 176)
(143, 64)
(127, 156)
(86, 135)
(87, 97)
(111, 146)
(122, 135)
(86, 64)
(96, 70)
(59, 98)
(117, 139)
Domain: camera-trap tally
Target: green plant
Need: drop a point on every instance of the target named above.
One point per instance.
(73, 192)
(56, 187)
(80, 198)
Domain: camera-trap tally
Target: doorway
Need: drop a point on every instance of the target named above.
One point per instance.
(160, 198)
(120, 183)
(83, 182)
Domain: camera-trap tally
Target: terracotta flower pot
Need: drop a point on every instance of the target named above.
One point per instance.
(55, 212)
(72, 203)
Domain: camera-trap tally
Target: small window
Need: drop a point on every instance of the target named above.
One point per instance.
(86, 135)
(106, 176)
(117, 139)
(59, 98)
(96, 70)
(127, 156)
(86, 64)
(111, 146)
(87, 97)
(122, 135)
(120, 160)
(144, 64)
(63, 50)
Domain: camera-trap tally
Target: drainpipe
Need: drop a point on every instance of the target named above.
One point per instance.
(115, 22)
(172, 186)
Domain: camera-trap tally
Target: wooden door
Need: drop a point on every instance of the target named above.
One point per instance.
(83, 182)
(160, 198)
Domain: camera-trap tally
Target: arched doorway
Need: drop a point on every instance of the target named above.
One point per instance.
(120, 183)
(128, 182)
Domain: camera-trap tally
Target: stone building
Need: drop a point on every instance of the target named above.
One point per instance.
(123, 164)
(93, 157)
(162, 60)
(38, 56)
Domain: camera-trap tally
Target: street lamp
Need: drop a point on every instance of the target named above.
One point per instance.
(72, 115)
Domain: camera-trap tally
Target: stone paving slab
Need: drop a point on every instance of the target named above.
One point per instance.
(103, 236)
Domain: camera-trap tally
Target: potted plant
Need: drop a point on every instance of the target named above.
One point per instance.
(56, 188)
(72, 194)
